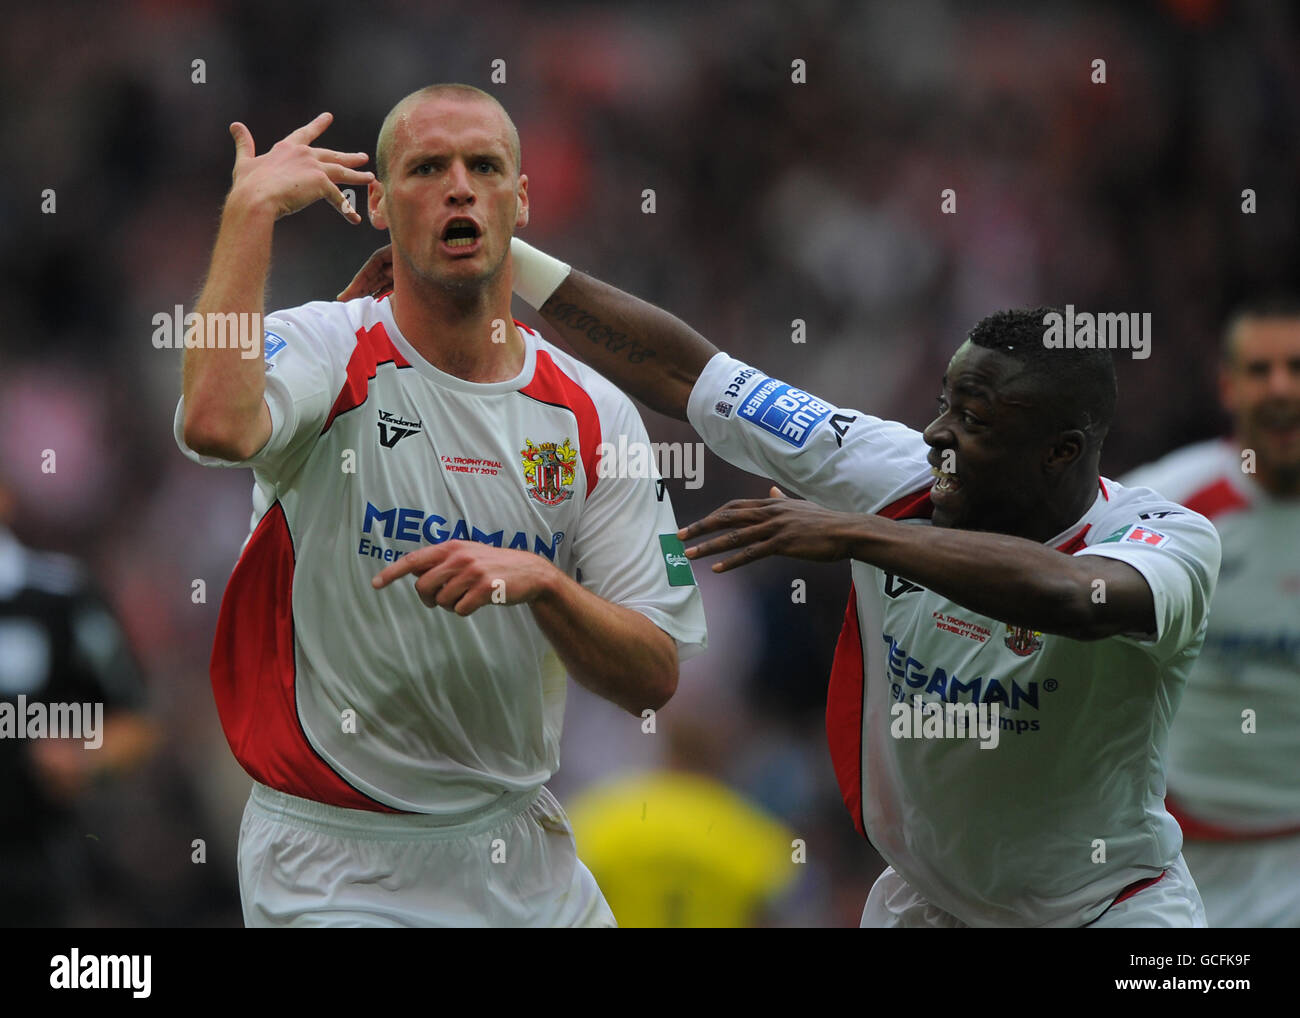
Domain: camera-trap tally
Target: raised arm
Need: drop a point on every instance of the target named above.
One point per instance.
(224, 385)
(839, 456)
(642, 349)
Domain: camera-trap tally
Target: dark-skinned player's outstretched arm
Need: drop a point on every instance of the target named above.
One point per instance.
(644, 350)
(817, 450)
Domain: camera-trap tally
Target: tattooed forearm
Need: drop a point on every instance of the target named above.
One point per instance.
(642, 349)
(583, 321)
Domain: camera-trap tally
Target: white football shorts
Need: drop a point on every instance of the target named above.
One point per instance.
(303, 863)
(1172, 902)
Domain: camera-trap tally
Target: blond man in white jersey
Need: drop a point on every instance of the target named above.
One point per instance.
(400, 739)
(1234, 769)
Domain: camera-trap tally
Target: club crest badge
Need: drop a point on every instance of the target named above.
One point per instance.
(1023, 641)
(549, 471)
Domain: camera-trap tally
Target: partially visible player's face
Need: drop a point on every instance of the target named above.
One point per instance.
(454, 196)
(1261, 388)
(986, 445)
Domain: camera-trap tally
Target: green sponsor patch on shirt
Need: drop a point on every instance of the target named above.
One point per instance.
(676, 562)
(1117, 536)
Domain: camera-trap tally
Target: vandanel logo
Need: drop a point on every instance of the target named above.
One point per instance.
(549, 470)
(393, 428)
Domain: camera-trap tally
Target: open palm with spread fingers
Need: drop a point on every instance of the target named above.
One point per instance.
(293, 174)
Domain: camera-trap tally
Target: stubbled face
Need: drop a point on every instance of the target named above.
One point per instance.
(987, 446)
(454, 197)
(1260, 387)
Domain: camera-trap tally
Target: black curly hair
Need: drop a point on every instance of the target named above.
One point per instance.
(1078, 386)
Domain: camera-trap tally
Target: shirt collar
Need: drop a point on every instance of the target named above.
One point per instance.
(1074, 537)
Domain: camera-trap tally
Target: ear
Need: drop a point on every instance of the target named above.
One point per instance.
(521, 202)
(375, 206)
(1066, 450)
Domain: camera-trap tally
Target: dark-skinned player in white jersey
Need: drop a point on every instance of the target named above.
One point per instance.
(994, 569)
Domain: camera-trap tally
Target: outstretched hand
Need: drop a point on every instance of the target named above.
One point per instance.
(774, 526)
(293, 174)
(374, 278)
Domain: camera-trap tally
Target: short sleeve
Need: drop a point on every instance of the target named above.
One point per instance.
(626, 550)
(1177, 552)
(841, 458)
(304, 372)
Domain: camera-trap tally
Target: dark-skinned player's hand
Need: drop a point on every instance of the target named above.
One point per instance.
(373, 279)
(761, 527)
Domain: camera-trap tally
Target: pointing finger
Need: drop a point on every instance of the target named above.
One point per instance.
(417, 562)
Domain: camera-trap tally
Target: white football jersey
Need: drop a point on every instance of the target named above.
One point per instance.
(1047, 826)
(331, 690)
(1234, 765)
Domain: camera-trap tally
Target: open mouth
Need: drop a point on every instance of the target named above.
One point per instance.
(460, 233)
(944, 484)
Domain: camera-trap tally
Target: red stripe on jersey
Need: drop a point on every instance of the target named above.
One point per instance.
(1203, 830)
(1137, 885)
(553, 386)
(1216, 499)
(916, 506)
(1128, 892)
(844, 696)
(253, 674)
(373, 349)
(1076, 542)
(1104, 493)
(845, 693)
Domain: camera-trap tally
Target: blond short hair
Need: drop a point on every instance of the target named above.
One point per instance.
(384, 146)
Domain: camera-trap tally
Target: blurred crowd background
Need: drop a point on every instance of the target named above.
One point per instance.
(775, 201)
